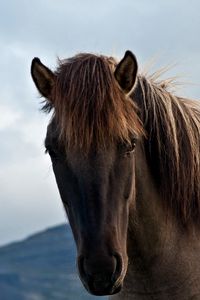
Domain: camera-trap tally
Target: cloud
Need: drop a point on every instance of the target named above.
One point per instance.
(29, 198)
(8, 117)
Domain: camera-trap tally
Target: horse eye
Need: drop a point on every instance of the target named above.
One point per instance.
(130, 148)
(126, 149)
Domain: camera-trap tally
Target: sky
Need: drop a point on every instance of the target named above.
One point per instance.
(166, 32)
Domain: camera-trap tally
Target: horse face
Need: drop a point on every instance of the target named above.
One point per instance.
(96, 191)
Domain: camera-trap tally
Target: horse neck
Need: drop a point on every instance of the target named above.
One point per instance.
(163, 259)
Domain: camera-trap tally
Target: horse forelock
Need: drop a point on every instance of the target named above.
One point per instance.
(90, 107)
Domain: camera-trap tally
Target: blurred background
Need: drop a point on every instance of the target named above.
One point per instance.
(166, 32)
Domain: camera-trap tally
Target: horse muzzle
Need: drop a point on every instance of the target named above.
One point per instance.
(101, 275)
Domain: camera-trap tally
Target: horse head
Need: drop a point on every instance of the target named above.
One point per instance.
(91, 140)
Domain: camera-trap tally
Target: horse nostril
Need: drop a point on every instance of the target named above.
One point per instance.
(119, 267)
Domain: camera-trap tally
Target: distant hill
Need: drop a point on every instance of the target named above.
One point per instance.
(42, 267)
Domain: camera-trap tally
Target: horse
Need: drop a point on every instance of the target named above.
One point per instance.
(125, 154)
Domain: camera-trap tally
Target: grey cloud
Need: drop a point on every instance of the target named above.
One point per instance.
(49, 28)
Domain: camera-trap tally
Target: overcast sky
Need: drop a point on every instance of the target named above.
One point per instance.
(168, 30)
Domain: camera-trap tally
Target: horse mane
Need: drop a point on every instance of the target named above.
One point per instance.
(172, 147)
(90, 108)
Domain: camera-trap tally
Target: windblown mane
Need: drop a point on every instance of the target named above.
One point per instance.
(90, 108)
(172, 146)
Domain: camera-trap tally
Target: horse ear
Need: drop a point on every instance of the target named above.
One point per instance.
(126, 71)
(43, 77)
